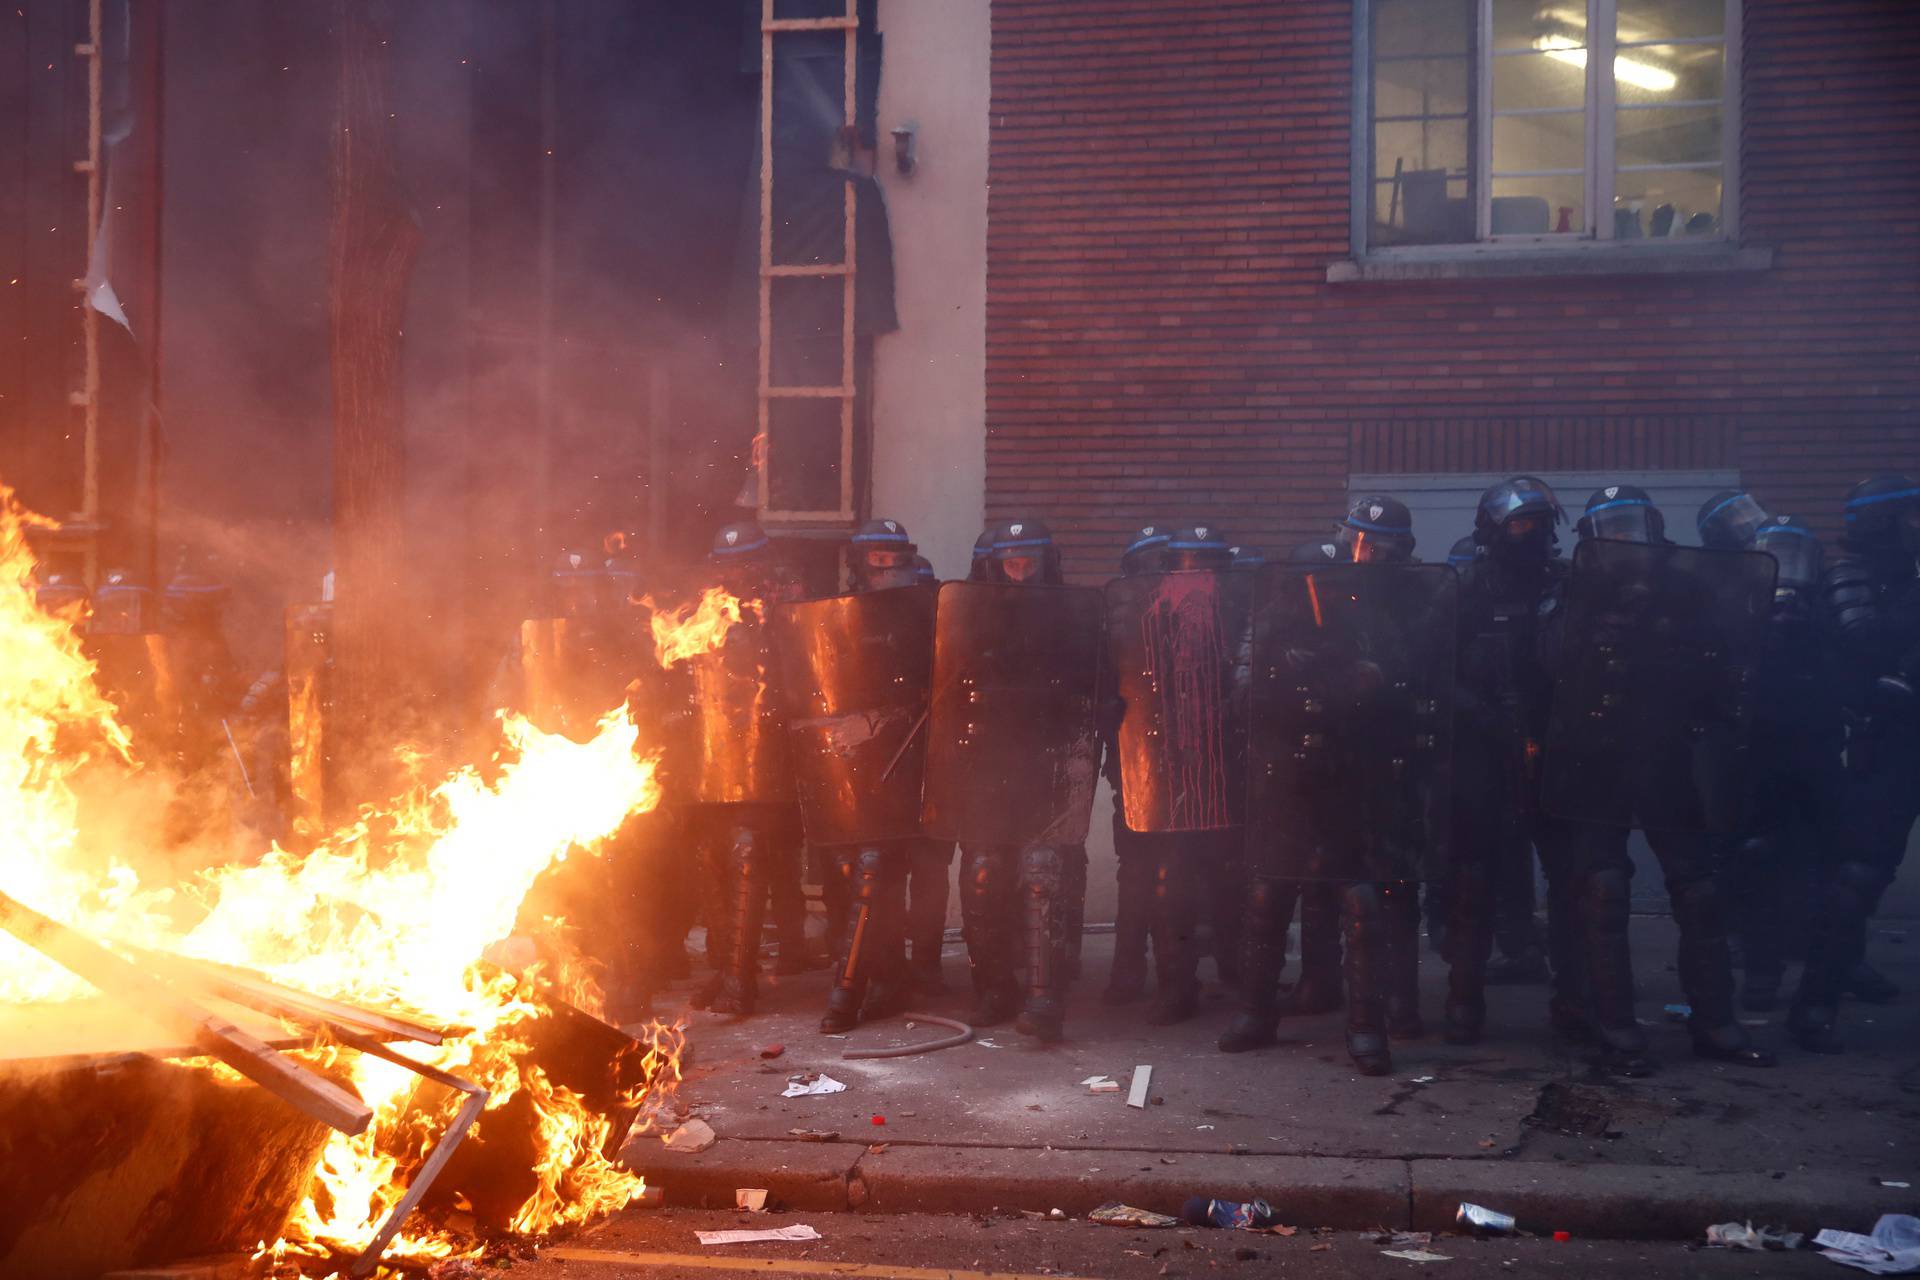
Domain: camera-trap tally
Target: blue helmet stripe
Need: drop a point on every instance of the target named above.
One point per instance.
(1871, 499)
(1151, 540)
(881, 537)
(743, 548)
(1722, 505)
(1197, 546)
(1023, 542)
(1355, 522)
(1619, 502)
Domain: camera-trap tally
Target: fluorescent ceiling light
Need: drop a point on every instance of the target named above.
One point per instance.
(1641, 75)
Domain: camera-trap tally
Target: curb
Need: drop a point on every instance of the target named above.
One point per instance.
(1596, 1202)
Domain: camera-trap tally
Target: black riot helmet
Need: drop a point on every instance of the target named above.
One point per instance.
(1797, 550)
(1463, 553)
(1377, 528)
(575, 584)
(62, 593)
(883, 555)
(923, 571)
(1023, 551)
(1147, 552)
(1623, 513)
(1248, 558)
(193, 602)
(735, 542)
(1319, 551)
(1198, 546)
(1516, 518)
(122, 605)
(1728, 520)
(981, 569)
(1883, 513)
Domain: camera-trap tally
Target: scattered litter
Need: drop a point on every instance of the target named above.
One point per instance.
(1893, 1249)
(1404, 1239)
(1137, 1095)
(773, 1050)
(1168, 1160)
(1320, 1248)
(1563, 1237)
(1488, 1144)
(986, 1044)
(799, 1231)
(1570, 1110)
(909, 1114)
(1888, 1182)
(878, 1148)
(691, 1138)
(1115, 1214)
(651, 1197)
(1479, 1218)
(1285, 1231)
(809, 1083)
(1742, 1235)
(1425, 1079)
(814, 1135)
(1158, 1101)
(1415, 1255)
(1252, 1215)
(1101, 1084)
(752, 1199)
(879, 1119)
(1203, 1127)
(1239, 1149)
(1755, 1022)
(1678, 1012)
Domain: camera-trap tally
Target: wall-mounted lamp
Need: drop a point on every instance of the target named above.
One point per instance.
(904, 158)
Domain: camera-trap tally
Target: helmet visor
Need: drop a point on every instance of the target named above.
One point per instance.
(887, 557)
(1734, 522)
(1796, 550)
(1622, 520)
(1021, 567)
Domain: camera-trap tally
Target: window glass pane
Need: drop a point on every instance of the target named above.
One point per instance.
(1530, 80)
(1539, 24)
(1538, 206)
(1666, 135)
(1422, 208)
(1669, 73)
(1416, 146)
(1422, 27)
(1420, 87)
(1670, 19)
(1670, 203)
(1540, 142)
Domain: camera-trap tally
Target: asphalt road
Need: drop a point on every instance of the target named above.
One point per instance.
(915, 1247)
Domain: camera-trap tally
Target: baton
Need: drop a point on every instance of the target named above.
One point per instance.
(912, 733)
(235, 748)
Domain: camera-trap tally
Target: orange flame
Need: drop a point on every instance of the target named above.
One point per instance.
(679, 634)
(399, 909)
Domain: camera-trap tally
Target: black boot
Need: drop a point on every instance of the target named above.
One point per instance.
(789, 911)
(1043, 1015)
(1133, 882)
(1469, 944)
(1605, 906)
(1263, 952)
(1401, 907)
(1836, 947)
(1706, 966)
(1318, 989)
(1176, 958)
(986, 910)
(740, 981)
(719, 910)
(1072, 909)
(1365, 931)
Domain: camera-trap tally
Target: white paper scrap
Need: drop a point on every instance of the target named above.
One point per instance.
(1142, 1079)
(1892, 1250)
(807, 1086)
(799, 1232)
(1416, 1255)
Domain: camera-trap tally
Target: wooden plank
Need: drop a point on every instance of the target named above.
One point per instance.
(256, 992)
(1142, 1082)
(313, 1094)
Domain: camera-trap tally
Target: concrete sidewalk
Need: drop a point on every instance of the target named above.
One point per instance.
(1006, 1124)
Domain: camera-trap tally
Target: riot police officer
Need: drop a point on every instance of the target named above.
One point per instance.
(1133, 851)
(1729, 520)
(741, 777)
(1640, 607)
(1318, 988)
(980, 567)
(1502, 697)
(1871, 595)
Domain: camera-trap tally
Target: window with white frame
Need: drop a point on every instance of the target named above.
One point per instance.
(1548, 122)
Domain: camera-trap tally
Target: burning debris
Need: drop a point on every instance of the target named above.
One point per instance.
(379, 933)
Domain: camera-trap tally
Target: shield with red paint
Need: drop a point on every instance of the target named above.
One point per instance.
(1178, 644)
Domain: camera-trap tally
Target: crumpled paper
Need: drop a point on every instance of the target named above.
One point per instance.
(1893, 1248)
(1744, 1235)
(802, 1086)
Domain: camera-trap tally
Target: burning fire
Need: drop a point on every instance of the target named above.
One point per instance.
(679, 634)
(398, 910)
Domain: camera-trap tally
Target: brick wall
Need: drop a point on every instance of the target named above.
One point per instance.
(1169, 182)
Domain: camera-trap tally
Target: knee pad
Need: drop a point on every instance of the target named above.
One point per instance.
(1041, 869)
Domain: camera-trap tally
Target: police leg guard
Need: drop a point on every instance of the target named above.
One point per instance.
(789, 910)
(717, 906)
(1133, 884)
(1469, 946)
(1226, 877)
(1605, 905)
(850, 966)
(1044, 1013)
(1568, 1008)
(891, 988)
(1364, 926)
(1522, 956)
(1705, 959)
(1073, 907)
(1263, 953)
(986, 905)
(1839, 921)
(929, 868)
(1176, 949)
(1755, 900)
(1318, 988)
(1400, 903)
(747, 872)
